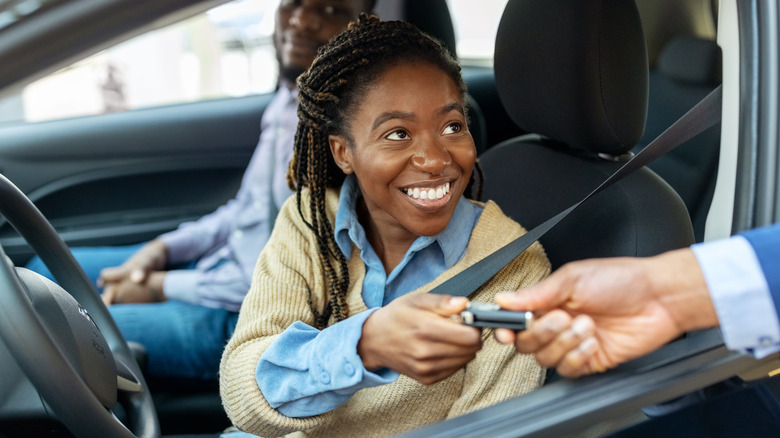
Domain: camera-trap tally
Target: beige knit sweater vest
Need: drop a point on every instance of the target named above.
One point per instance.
(288, 274)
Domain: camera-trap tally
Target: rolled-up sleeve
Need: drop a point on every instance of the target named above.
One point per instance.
(308, 372)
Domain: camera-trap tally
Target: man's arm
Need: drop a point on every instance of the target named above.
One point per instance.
(596, 314)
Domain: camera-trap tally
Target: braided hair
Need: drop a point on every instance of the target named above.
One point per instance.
(329, 93)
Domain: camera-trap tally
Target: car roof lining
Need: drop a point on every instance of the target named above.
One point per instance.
(66, 32)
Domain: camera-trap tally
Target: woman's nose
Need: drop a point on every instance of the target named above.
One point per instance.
(431, 157)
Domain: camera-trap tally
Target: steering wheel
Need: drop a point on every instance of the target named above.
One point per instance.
(76, 357)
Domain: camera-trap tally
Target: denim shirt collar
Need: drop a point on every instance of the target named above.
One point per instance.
(452, 241)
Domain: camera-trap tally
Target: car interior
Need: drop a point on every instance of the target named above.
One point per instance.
(574, 93)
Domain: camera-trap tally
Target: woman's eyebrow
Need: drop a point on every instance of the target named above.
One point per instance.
(454, 106)
(390, 115)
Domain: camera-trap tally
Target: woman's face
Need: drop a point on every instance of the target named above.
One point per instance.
(412, 153)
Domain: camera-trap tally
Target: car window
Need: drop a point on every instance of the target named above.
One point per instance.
(13, 10)
(226, 51)
(476, 23)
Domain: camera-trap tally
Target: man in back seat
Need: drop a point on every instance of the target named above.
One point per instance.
(184, 316)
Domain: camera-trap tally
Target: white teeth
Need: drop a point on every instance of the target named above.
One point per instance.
(429, 193)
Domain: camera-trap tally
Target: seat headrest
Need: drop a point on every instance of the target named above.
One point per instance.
(574, 71)
(430, 16)
(691, 59)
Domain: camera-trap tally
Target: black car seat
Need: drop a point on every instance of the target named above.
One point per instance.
(574, 72)
(688, 69)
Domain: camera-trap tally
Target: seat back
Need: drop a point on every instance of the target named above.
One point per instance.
(688, 69)
(574, 72)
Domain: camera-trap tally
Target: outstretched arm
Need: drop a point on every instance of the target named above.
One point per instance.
(596, 314)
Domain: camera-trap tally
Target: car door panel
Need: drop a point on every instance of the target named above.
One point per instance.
(127, 177)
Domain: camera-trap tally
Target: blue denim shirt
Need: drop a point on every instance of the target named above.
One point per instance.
(308, 372)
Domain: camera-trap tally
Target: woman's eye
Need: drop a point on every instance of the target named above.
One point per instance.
(453, 128)
(398, 135)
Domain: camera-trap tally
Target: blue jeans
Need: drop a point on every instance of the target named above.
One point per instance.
(182, 340)
(91, 259)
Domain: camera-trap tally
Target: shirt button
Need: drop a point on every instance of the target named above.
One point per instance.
(325, 378)
(349, 369)
(238, 234)
(765, 341)
(257, 205)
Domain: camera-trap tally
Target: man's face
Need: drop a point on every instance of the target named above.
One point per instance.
(302, 26)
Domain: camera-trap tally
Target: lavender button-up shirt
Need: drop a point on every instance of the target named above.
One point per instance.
(228, 241)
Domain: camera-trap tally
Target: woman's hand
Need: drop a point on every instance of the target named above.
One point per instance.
(413, 336)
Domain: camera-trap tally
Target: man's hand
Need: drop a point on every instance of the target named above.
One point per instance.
(413, 336)
(139, 279)
(128, 291)
(596, 314)
(151, 257)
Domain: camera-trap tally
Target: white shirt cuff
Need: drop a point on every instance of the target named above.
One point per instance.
(740, 295)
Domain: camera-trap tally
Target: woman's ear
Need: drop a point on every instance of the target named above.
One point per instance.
(342, 153)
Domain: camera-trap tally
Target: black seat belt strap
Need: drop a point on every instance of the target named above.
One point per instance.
(699, 118)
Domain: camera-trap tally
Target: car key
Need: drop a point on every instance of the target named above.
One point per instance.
(491, 315)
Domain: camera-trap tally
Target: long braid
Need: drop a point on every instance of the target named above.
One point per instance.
(329, 91)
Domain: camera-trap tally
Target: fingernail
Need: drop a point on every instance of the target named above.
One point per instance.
(502, 336)
(554, 324)
(137, 276)
(458, 301)
(587, 346)
(581, 327)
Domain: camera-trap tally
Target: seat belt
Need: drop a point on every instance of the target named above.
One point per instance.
(699, 118)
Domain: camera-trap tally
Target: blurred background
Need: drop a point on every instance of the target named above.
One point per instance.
(225, 52)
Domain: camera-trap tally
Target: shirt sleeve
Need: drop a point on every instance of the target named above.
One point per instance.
(193, 240)
(196, 287)
(307, 372)
(740, 294)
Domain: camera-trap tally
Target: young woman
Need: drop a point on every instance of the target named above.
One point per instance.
(337, 336)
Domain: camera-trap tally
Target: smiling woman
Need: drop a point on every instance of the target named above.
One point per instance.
(412, 165)
(337, 335)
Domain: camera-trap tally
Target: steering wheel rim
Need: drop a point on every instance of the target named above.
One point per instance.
(63, 389)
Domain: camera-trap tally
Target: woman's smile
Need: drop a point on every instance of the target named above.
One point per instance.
(428, 196)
